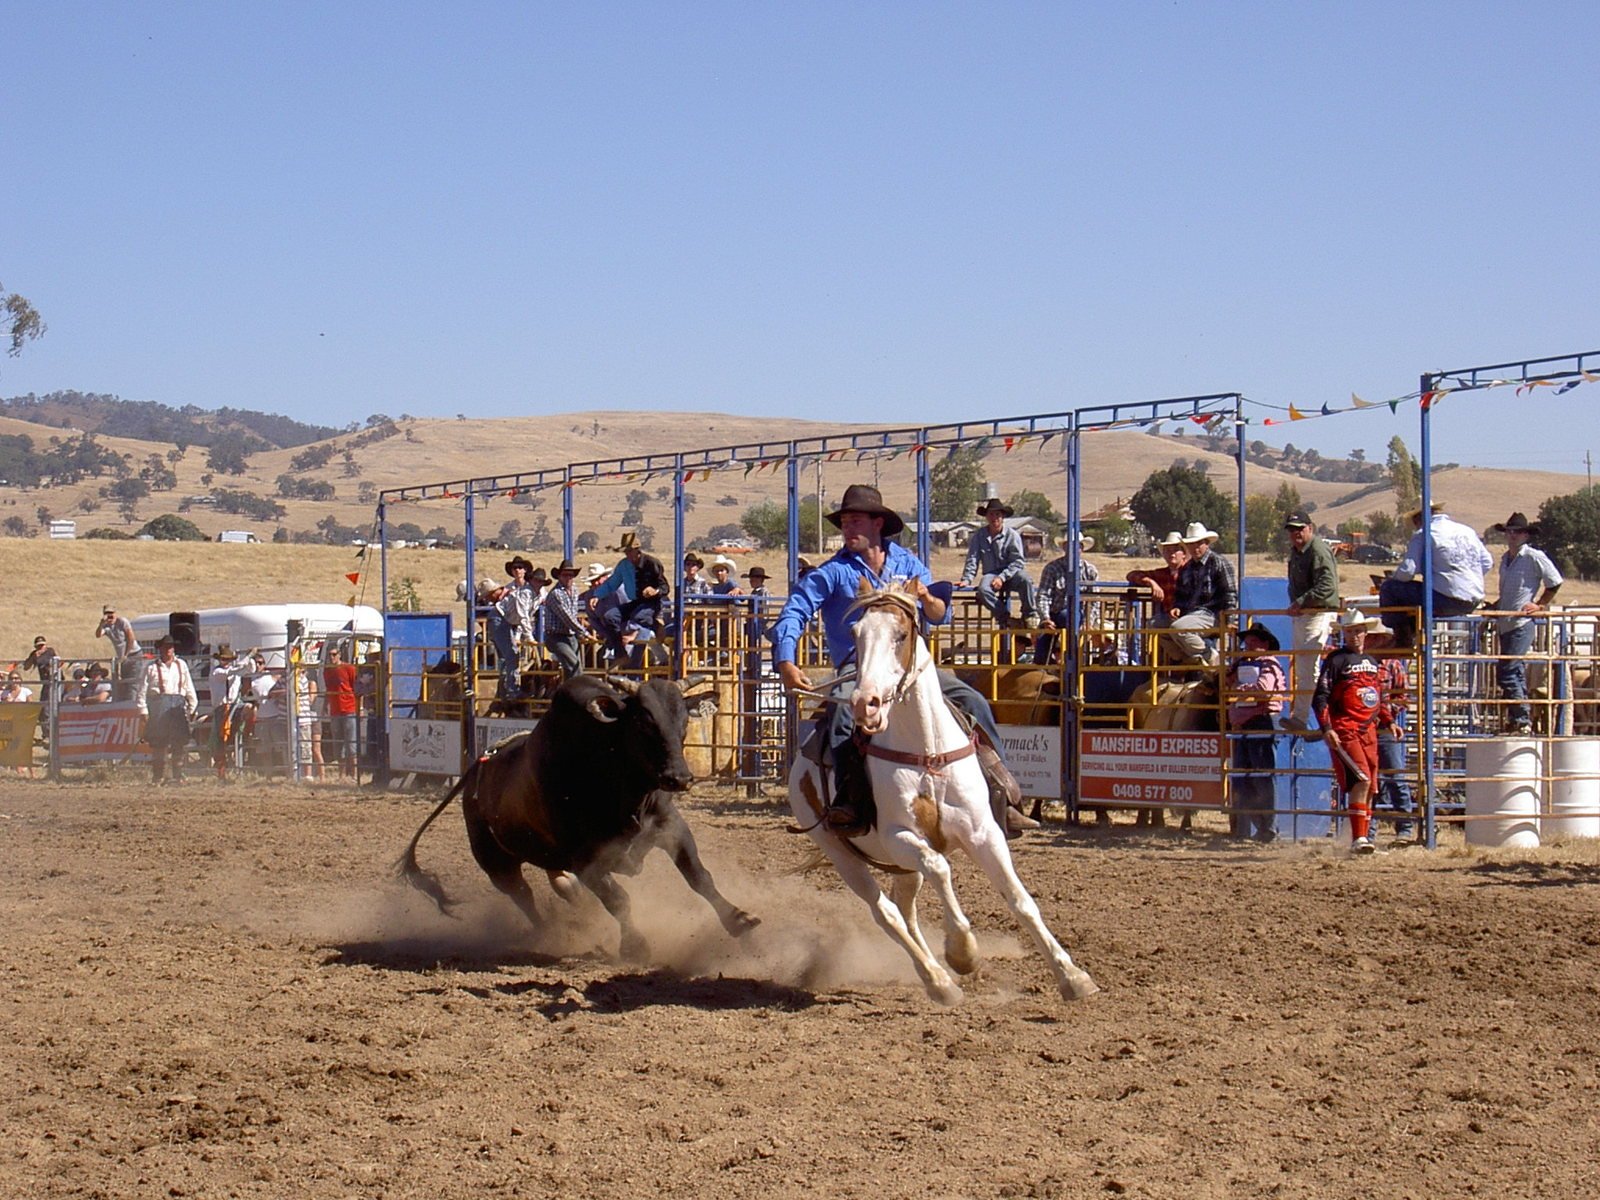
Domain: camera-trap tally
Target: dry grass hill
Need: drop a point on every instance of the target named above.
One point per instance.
(57, 587)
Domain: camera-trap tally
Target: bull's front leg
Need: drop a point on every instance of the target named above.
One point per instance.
(666, 828)
(597, 878)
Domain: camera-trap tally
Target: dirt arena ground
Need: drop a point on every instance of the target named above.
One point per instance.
(218, 991)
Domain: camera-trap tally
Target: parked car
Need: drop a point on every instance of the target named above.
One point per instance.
(1369, 552)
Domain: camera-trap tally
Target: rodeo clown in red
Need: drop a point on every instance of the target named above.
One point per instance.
(1350, 707)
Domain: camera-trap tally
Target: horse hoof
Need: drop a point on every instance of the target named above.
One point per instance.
(738, 923)
(961, 955)
(1078, 986)
(948, 993)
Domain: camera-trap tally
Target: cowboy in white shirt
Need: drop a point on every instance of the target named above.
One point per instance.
(1460, 561)
(167, 700)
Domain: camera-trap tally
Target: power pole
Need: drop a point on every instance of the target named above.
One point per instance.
(1588, 467)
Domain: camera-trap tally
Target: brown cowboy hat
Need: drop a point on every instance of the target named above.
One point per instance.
(225, 653)
(992, 504)
(693, 560)
(864, 498)
(1518, 523)
(757, 573)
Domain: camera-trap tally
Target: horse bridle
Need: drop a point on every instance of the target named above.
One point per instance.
(905, 608)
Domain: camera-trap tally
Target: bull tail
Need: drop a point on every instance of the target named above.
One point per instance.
(408, 867)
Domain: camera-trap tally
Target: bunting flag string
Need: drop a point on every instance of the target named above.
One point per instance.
(353, 576)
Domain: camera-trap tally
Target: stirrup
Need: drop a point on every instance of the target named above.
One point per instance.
(844, 820)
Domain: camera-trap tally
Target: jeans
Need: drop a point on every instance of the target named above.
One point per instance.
(1254, 756)
(1395, 593)
(996, 601)
(567, 655)
(642, 614)
(504, 636)
(1512, 673)
(1394, 788)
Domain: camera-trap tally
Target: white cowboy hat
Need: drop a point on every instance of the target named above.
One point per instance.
(1354, 618)
(722, 560)
(596, 571)
(1172, 539)
(1197, 532)
(1085, 541)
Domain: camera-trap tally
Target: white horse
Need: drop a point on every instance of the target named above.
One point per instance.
(930, 795)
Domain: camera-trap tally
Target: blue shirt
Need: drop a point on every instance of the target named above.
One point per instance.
(832, 588)
(1523, 574)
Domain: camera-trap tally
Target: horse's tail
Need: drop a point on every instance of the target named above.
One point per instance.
(408, 868)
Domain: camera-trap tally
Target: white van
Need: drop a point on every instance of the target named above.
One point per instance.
(237, 535)
(268, 626)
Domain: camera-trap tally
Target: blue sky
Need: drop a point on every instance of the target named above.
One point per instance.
(885, 212)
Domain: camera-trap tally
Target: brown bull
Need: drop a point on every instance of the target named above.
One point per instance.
(586, 793)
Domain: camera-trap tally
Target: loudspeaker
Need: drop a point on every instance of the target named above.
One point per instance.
(185, 630)
(297, 630)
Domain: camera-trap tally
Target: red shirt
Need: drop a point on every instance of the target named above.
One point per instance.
(340, 685)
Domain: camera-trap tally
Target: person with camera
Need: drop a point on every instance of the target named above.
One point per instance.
(120, 633)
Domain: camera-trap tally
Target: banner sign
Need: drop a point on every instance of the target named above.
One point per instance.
(1033, 752)
(428, 747)
(489, 730)
(1150, 766)
(17, 724)
(100, 732)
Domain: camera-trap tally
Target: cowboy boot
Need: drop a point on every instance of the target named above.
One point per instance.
(850, 813)
(1005, 797)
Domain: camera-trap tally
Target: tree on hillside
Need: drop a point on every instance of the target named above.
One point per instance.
(587, 540)
(1028, 503)
(956, 485)
(19, 321)
(767, 523)
(1570, 532)
(16, 527)
(1383, 528)
(1259, 512)
(1405, 477)
(170, 528)
(1171, 498)
(228, 455)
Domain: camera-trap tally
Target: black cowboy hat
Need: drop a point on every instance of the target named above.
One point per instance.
(1518, 523)
(538, 574)
(693, 560)
(1258, 630)
(993, 504)
(757, 573)
(519, 561)
(565, 567)
(864, 498)
(166, 640)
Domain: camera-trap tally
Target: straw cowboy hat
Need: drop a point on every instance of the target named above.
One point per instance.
(630, 541)
(225, 652)
(1085, 541)
(596, 572)
(864, 498)
(1517, 523)
(1197, 532)
(1353, 619)
(1264, 635)
(1436, 508)
(1172, 539)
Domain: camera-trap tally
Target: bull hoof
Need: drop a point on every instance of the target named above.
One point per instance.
(1078, 986)
(738, 922)
(634, 948)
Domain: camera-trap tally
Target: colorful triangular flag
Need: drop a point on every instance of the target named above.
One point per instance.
(353, 576)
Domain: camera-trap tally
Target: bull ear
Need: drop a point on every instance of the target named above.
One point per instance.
(691, 681)
(628, 687)
(864, 587)
(599, 706)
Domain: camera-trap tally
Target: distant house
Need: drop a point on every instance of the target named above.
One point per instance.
(63, 529)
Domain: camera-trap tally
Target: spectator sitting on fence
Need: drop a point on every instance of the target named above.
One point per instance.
(1523, 572)
(1163, 581)
(1206, 595)
(1256, 688)
(995, 561)
(722, 577)
(1055, 596)
(1460, 562)
(640, 584)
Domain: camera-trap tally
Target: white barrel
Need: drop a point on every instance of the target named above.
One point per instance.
(1504, 781)
(1574, 785)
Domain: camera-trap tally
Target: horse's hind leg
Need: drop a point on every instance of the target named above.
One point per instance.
(994, 857)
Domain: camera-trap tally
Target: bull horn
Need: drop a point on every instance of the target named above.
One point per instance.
(597, 709)
(628, 687)
(691, 681)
